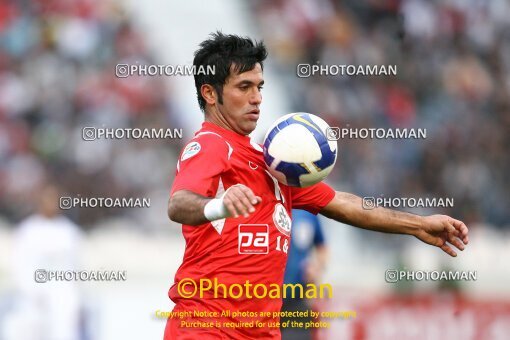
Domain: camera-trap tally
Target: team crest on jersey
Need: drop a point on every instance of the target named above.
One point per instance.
(282, 220)
(190, 150)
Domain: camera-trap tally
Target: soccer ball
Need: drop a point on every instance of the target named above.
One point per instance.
(297, 151)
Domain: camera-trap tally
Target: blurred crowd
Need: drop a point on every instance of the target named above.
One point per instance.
(453, 60)
(57, 75)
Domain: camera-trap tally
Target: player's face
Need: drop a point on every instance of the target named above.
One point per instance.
(241, 100)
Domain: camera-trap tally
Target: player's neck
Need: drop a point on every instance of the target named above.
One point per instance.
(220, 122)
(215, 117)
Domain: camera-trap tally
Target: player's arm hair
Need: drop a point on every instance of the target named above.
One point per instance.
(186, 207)
(348, 208)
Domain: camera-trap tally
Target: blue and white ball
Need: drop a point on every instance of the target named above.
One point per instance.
(297, 151)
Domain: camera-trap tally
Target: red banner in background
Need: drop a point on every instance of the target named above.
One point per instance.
(429, 316)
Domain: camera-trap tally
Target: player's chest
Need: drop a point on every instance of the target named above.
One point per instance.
(271, 222)
(250, 169)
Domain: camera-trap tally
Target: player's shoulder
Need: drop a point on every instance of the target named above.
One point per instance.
(209, 136)
(208, 142)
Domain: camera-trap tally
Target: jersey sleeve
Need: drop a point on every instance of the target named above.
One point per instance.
(201, 164)
(312, 198)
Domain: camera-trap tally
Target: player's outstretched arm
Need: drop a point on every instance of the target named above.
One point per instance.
(436, 230)
(189, 208)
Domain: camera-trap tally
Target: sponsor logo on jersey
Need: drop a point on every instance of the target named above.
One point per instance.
(190, 150)
(282, 220)
(253, 239)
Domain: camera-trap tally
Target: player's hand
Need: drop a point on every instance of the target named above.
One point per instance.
(439, 230)
(240, 200)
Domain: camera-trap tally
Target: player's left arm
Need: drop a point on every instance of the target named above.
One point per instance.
(436, 230)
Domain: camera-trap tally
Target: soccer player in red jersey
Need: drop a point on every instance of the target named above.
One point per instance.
(236, 217)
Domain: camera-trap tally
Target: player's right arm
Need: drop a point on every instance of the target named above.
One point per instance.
(189, 208)
(186, 207)
(196, 197)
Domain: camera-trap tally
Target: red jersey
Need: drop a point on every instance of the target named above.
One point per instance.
(235, 250)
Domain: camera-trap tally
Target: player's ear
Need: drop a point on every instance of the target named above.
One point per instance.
(209, 94)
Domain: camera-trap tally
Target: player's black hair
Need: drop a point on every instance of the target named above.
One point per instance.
(225, 52)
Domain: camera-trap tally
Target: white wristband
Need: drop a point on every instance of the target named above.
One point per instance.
(215, 209)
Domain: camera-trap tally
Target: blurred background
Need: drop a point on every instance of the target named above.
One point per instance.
(57, 75)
